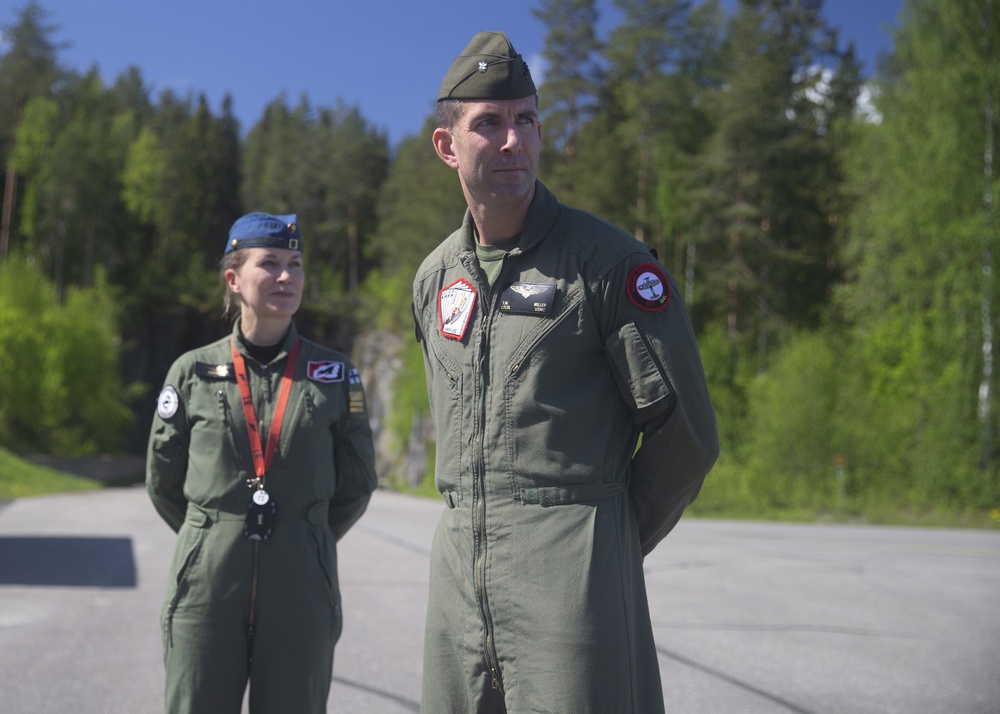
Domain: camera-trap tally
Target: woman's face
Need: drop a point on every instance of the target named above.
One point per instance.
(269, 283)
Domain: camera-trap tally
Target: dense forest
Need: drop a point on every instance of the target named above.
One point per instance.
(834, 236)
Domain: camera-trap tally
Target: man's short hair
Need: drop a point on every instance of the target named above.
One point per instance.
(449, 111)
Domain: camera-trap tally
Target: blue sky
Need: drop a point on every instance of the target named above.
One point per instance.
(386, 57)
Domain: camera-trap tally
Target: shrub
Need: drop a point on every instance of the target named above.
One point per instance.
(60, 386)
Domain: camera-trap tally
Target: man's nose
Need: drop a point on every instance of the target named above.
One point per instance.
(512, 144)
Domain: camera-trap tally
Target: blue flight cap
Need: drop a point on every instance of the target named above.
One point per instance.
(264, 230)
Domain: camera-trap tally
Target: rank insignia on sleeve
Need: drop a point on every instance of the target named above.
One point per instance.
(647, 287)
(355, 393)
(455, 304)
(325, 371)
(356, 401)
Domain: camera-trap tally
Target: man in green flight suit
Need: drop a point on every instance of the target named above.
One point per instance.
(552, 340)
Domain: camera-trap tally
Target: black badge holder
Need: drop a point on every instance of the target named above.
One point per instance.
(261, 513)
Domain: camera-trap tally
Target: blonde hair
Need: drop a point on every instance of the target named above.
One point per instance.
(233, 260)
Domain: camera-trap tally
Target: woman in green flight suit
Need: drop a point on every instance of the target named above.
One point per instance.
(261, 458)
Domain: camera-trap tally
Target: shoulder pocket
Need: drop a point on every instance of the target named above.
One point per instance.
(637, 370)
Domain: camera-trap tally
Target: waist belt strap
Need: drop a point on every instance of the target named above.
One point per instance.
(202, 517)
(574, 493)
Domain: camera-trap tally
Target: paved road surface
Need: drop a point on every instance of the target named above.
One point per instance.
(749, 617)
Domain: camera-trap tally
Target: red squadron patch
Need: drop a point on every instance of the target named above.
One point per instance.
(647, 287)
(455, 304)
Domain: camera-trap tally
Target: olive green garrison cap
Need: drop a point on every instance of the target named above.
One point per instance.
(488, 68)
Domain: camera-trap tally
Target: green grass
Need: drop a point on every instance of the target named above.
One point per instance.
(873, 514)
(19, 478)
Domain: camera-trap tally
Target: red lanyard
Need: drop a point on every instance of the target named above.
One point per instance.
(262, 461)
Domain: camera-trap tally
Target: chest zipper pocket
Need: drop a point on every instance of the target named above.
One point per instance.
(310, 405)
(229, 422)
(566, 309)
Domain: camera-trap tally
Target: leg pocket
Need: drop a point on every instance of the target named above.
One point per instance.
(187, 553)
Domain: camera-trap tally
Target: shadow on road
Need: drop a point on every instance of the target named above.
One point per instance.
(74, 561)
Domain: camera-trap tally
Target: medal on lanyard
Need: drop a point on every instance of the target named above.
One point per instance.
(259, 523)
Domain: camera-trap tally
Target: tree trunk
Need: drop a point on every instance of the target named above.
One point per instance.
(9, 191)
(986, 384)
(352, 252)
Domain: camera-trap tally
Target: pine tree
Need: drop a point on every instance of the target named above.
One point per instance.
(570, 89)
(767, 179)
(28, 70)
(635, 150)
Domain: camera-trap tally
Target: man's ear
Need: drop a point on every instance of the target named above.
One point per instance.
(442, 145)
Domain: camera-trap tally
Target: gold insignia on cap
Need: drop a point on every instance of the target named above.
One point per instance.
(291, 227)
(233, 242)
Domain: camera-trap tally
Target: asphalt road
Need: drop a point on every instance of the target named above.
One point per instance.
(749, 617)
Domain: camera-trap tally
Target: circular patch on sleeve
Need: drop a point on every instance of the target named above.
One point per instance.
(167, 402)
(647, 287)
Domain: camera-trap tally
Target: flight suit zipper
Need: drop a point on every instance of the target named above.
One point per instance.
(479, 481)
(252, 608)
(479, 516)
(479, 530)
(252, 613)
(255, 567)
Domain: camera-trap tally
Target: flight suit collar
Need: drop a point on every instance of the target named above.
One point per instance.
(541, 217)
(286, 345)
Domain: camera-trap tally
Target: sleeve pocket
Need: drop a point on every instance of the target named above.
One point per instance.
(640, 376)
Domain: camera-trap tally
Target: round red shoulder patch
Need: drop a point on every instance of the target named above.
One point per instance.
(648, 287)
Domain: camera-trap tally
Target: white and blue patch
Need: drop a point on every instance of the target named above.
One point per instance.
(325, 371)
(167, 402)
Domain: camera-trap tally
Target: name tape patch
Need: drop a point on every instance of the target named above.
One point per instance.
(528, 299)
